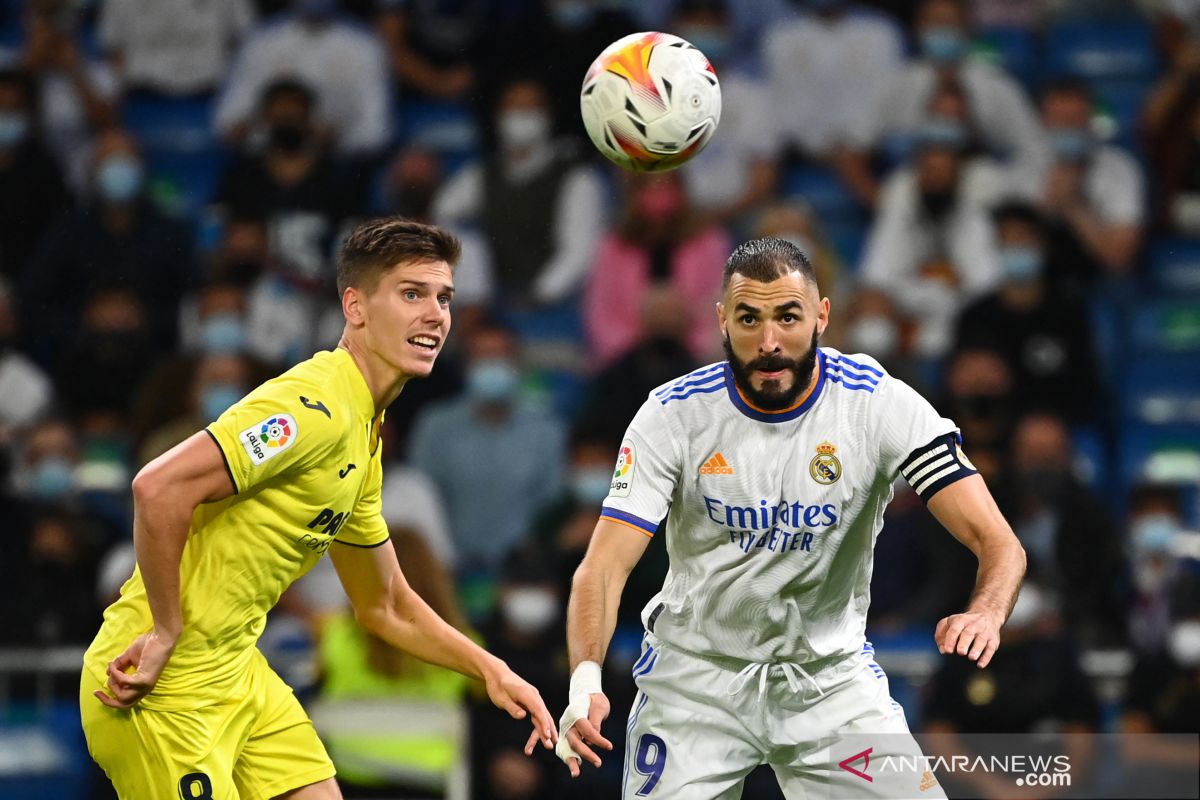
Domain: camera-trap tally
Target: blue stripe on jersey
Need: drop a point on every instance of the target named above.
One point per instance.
(851, 385)
(711, 369)
(836, 365)
(649, 651)
(859, 366)
(716, 387)
(681, 388)
(632, 519)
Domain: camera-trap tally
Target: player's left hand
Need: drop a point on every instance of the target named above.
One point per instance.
(148, 655)
(509, 691)
(973, 634)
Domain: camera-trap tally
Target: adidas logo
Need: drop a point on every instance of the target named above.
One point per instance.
(717, 465)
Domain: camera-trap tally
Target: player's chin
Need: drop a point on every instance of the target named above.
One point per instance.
(419, 365)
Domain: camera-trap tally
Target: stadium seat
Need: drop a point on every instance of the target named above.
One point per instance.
(1167, 327)
(1099, 51)
(1119, 101)
(182, 153)
(1174, 267)
(823, 190)
(1013, 49)
(446, 128)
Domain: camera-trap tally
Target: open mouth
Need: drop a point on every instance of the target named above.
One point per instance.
(424, 343)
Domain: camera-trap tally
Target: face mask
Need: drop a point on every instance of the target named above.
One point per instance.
(53, 478)
(589, 485)
(216, 398)
(1153, 533)
(287, 137)
(572, 15)
(1029, 606)
(529, 609)
(223, 334)
(1183, 643)
(874, 334)
(1070, 144)
(14, 127)
(1021, 263)
(943, 44)
(493, 380)
(521, 129)
(119, 178)
(943, 132)
(712, 42)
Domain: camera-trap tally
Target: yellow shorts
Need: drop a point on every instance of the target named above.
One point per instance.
(255, 748)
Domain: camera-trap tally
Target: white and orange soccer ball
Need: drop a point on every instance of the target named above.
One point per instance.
(650, 102)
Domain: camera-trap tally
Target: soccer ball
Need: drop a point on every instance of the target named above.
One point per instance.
(650, 102)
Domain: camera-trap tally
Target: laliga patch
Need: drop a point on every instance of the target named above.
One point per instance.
(269, 438)
(623, 474)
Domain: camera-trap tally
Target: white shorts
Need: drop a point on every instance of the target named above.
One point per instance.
(699, 726)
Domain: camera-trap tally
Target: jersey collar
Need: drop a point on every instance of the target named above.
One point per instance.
(753, 412)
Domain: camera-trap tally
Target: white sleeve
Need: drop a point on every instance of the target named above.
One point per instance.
(580, 222)
(370, 131)
(113, 25)
(460, 199)
(244, 80)
(887, 261)
(647, 472)
(1118, 194)
(915, 441)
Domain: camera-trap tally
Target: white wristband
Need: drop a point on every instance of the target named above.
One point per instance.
(585, 679)
(585, 682)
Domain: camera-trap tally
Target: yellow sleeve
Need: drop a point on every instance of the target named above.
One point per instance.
(366, 527)
(269, 432)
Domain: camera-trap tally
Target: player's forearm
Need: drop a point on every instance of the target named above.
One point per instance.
(592, 612)
(411, 625)
(1001, 569)
(160, 530)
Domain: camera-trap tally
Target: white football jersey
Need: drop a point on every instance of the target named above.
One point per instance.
(771, 517)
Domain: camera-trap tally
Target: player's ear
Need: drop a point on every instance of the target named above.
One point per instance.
(721, 318)
(353, 306)
(823, 316)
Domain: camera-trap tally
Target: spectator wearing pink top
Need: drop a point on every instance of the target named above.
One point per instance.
(661, 240)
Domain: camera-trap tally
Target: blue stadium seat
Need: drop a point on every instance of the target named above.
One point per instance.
(823, 190)
(445, 128)
(1174, 267)
(1121, 101)
(1100, 51)
(182, 153)
(1168, 327)
(1013, 49)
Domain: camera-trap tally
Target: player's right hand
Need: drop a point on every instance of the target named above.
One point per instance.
(148, 655)
(579, 732)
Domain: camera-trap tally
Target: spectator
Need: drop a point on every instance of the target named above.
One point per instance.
(218, 381)
(433, 46)
(541, 210)
(737, 171)
(997, 104)
(294, 187)
(1171, 132)
(659, 355)
(816, 60)
(749, 21)
(172, 47)
(76, 94)
(660, 240)
(930, 249)
(1073, 547)
(345, 65)
(116, 239)
(26, 389)
(1155, 522)
(48, 461)
(32, 193)
(1164, 690)
(488, 452)
(873, 325)
(980, 397)
(1091, 192)
(214, 320)
(1045, 337)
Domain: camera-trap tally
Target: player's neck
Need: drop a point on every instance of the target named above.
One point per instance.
(383, 381)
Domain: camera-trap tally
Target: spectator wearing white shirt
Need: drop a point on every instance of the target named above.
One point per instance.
(172, 47)
(1003, 115)
(737, 171)
(26, 389)
(541, 209)
(342, 60)
(826, 67)
(1093, 193)
(931, 249)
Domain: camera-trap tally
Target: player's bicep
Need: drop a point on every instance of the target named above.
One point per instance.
(966, 509)
(616, 547)
(190, 473)
(370, 577)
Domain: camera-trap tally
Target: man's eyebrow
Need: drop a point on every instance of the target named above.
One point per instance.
(747, 308)
(789, 305)
(446, 288)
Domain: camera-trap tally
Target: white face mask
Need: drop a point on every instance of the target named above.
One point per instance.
(874, 335)
(530, 609)
(1029, 606)
(1183, 643)
(523, 128)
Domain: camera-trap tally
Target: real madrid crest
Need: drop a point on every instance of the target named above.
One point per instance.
(825, 467)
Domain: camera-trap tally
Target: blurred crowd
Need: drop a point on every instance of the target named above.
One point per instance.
(1000, 198)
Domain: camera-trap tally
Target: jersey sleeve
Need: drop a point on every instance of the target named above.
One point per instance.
(367, 527)
(269, 433)
(917, 442)
(646, 474)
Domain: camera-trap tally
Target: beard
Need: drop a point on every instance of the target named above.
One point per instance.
(772, 396)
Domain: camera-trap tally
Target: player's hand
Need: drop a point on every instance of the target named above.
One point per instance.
(510, 692)
(148, 655)
(973, 634)
(579, 733)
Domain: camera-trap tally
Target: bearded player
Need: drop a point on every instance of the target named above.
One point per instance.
(176, 699)
(772, 470)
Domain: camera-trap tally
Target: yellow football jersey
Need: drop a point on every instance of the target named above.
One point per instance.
(303, 453)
